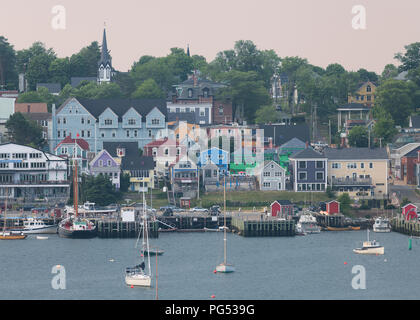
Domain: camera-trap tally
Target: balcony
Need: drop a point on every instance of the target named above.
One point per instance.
(351, 182)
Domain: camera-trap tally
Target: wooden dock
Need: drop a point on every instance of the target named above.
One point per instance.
(409, 227)
(120, 229)
(252, 227)
(190, 223)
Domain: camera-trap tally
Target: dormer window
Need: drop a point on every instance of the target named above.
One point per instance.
(155, 121)
(121, 152)
(108, 122)
(205, 92)
(190, 93)
(131, 122)
(368, 88)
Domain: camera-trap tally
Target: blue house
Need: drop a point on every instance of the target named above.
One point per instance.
(109, 120)
(217, 156)
(309, 171)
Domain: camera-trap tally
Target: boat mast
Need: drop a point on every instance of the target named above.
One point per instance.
(224, 210)
(5, 211)
(146, 232)
(75, 189)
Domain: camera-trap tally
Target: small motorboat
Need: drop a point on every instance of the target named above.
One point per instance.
(381, 225)
(153, 251)
(370, 247)
(41, 238)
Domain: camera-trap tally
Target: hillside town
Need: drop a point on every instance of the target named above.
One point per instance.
(265, 140)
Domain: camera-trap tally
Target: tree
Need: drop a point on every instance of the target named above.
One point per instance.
(384, 127)
(410, 59)
(396, 98)
(246, 91)
(8, 75)
(156, 69)
(390, 71)
(345, 203)
(266, 114)
(358, 137)
(124, 182)
(24, 131)
(85, 62)
(99, 190)
(148, 89)
(60, 71)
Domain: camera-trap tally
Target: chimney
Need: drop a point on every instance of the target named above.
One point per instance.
(29, 108)
(195, 78)
(307, 144)
(270, 143)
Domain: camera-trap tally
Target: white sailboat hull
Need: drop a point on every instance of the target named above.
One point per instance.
(53, 229)
(378, 250)
(138, 280)
(381, 230)
(225, 268)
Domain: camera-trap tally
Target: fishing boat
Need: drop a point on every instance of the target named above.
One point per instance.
(153, 251)
(41, 238)
(74, 226)
(225, 267)
(307, 225)
(220, 229)
(36, 226)
(10, 235)
(136, 276)
(381, 225)
(370, 247)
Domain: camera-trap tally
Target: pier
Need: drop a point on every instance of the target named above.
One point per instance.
(123, 229)
(409, 227)
(254, 227)
(185, 223)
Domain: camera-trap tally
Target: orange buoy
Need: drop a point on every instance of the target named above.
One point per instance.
(132, 286)
(345, 262)
(213, 296)
(215, 271)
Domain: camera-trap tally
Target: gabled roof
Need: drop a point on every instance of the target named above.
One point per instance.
(100, 155)
(137, 163)
(121, 106)
(182, 116)
(75, 81)
(52, 87)
(283, 202)
(356, 154)
(415, 122)
(31, 107)
(308, 153)
(79, 141)
(294, 143)
(413, 153)
(284, 133)
(131, 148)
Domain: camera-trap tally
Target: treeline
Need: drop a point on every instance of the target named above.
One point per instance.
(245, 69)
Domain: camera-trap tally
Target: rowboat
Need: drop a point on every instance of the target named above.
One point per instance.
(349, 228)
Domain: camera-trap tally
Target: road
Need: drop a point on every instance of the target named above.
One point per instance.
(403, 191)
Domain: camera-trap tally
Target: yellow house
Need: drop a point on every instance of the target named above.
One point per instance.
(360, 172)
(364, 95)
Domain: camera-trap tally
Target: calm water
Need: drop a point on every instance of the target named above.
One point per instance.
(311, 267)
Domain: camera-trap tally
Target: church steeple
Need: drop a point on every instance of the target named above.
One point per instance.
(188, 50)
(105, 70)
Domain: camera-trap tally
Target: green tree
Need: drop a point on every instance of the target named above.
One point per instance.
(390, 71)
(60, 71)
(99, 190)
(24, 131)
(358, 137)
(85, 62)
(396, 98)
(124, 182)
(384, 127)
(8, 75)
(148, 89)
(410, 59)
(345, 203)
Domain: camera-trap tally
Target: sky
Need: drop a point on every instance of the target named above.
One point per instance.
(322, 31)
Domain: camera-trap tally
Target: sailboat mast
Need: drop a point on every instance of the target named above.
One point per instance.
(5, 210)
(75, 190)
(224, 210)
(145, 226)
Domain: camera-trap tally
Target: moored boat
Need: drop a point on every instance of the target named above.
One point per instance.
(381, 225)
(370, 247)
(35, 226)
(349, 228)
(307, 225)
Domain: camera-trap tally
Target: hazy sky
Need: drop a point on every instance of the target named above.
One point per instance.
(319, 30)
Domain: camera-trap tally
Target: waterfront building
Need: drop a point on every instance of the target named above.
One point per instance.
(104, 164)
(309, 171)
(110, 120)
(409, 211)
(184, 177)
(352, 111)
(30, 175)
(165, 153)
(74, 149)
(271, 176)
(281, 209)
(360, 172)
(216, 156)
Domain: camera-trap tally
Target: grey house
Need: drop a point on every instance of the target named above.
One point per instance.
(272, 177)
(309, 171)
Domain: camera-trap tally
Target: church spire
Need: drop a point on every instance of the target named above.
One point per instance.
(105, 57)
(105, 70)
(188, 50)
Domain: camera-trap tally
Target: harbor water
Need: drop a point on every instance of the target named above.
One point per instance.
(309, 267)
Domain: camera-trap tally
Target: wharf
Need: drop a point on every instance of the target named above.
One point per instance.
(125, 229)
(192, 223)
(409, 227)
(263, 227)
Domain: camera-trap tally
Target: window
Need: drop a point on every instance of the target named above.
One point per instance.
(128, 133)
(336, 165)
(88, 133)
(131, 122)
(202, 112)
(302, 164)
(371, 165)
(109, 163)
(190, 93)
(368, 97)
(206, 93)
(88, 121)
(101, 163)
(150, 133)
(220, 110)
(320, 175)
(278, 174)
(135, 133)
(267, 174)
(108, 122)
(352, 165)
(267, 184)
(64, 121)
(103, 134)
(320, 164)
(368, 88)
(362, 165)
(83, 133)
(155, 121)
(302, 175)
(82, 120)
(58, 134)
(58, 120)
(114, 134)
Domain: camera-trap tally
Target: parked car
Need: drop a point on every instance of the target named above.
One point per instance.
(215, 210)
(199, 209)
(167, 207)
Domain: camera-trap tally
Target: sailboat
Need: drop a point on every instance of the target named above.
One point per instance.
(136, 276)
(225, 267)
(75, 227)
(10, 235)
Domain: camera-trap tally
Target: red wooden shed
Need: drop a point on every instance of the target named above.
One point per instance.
(333, 207)
(410, 211)
(282, 208)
